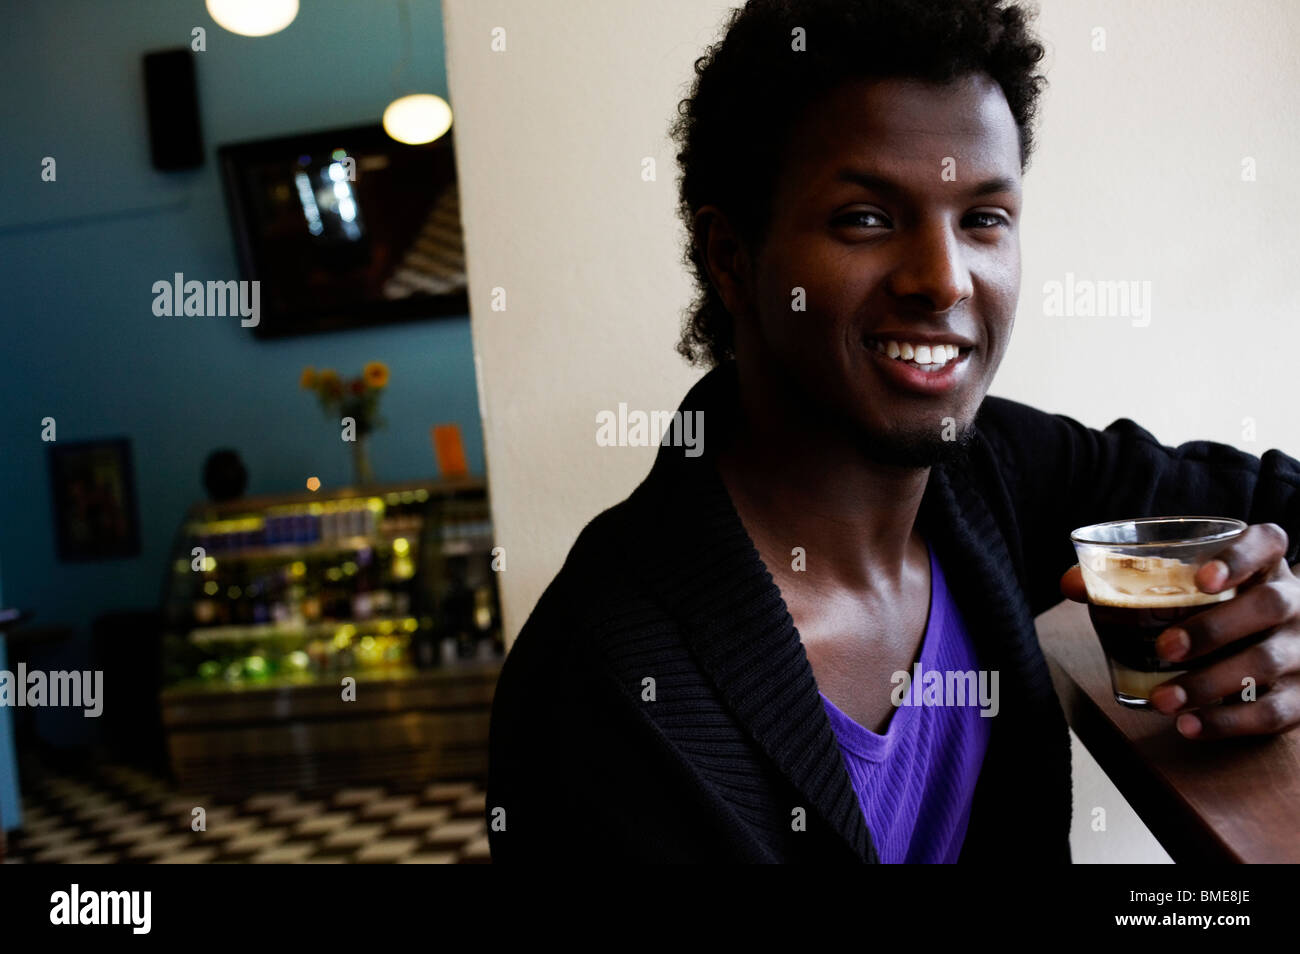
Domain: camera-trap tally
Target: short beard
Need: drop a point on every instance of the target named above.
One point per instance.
(916, 451)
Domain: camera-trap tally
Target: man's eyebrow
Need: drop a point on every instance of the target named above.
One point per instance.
(999, 184)
(869, 181)
(887, 186)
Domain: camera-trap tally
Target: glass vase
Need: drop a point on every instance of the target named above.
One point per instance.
(361, 469)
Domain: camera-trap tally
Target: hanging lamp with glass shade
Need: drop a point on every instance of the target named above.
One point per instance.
(415, 118)
(253, 17)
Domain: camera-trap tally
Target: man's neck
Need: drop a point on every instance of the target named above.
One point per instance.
(798, 480)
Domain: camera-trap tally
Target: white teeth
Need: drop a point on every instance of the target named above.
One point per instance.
(932, 356)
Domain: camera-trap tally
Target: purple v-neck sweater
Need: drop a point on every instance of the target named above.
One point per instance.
(915, 783)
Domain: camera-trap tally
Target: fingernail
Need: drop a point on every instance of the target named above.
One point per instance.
(1189, 725)
(1218, 573)
(1169, 699)
(1173, 644)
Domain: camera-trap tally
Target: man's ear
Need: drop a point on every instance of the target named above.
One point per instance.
(727, 259)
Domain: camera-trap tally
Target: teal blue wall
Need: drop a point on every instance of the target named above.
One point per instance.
(11, 814)
(78, 258)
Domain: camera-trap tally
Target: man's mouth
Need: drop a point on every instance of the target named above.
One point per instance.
(931, 357)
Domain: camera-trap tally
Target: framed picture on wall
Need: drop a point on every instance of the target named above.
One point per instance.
(93, 489)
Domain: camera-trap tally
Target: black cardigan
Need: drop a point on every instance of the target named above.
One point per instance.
(658, 705)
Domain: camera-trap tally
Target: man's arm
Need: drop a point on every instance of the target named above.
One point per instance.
(1062, 475)
(577, 772)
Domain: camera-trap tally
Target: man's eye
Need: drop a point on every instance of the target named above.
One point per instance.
(985, 220)
(866, 220)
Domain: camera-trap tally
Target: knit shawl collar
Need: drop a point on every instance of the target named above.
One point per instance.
(703, 567)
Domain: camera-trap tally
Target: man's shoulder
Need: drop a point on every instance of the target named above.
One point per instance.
(1019, 428)
(1001, 415)
(1021, 432)
(600, 591)
(606, 552)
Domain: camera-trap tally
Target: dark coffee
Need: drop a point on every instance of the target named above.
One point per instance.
(1128, 635)
(1132, 600)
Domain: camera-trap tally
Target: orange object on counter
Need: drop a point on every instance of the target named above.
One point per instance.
(450, 450)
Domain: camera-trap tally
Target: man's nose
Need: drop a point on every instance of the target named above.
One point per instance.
(933, 268)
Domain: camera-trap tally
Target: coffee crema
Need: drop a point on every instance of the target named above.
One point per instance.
(1144, 582)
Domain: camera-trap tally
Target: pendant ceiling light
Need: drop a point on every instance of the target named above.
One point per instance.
(415, 118)
(418, 118)
(253, 17)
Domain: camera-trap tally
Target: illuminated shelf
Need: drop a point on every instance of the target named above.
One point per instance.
(255, 631)
(330, 680)
(457, 546)
(298, 551)
(253, 506)
(463, 545)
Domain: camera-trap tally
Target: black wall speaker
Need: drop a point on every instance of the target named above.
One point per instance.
(171, 95)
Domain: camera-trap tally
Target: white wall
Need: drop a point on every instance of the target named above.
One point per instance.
(1138, 176)
(550, 137)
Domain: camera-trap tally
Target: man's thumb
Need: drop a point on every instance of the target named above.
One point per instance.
(1072, 587)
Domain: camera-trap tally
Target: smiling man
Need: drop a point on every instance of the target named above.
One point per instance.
(713, 674)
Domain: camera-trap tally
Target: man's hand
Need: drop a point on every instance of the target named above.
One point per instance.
(1267, 603)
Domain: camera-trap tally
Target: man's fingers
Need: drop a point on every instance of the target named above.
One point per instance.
(1254, 610)
(1256, 551)
(1269, 662)
(1273, 712)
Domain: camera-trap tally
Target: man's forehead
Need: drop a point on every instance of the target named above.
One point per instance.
(901, 122)
(975, 97)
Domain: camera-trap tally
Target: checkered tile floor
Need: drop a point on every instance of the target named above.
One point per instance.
(125, 816)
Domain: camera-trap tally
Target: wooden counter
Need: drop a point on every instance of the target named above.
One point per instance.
(409, 726)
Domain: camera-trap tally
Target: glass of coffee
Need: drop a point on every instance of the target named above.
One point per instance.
(1140, 576)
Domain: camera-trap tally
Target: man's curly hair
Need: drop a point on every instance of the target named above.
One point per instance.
(751, 87)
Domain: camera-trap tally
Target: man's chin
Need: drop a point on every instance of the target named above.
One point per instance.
(918, 449)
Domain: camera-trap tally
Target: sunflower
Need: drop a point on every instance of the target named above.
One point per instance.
(308, 379)
(376, 374)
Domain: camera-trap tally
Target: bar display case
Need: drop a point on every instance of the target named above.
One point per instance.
(331, 638)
